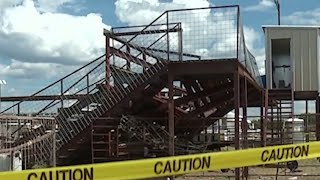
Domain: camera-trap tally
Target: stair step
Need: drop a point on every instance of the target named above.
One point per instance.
(100, 150)
(100, 134)
(100, 143)
(104, 126)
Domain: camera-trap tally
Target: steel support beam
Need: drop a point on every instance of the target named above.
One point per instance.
(236, 112)
(171, 115)
(263, 120)
(306, 122)
(244, 124)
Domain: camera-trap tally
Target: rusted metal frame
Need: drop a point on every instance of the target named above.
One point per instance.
(196, 87)
(129, 57)
(137, 26)
(220, 99)
(158, 31)
(41, 98)
(236, 94)
(171, 114)
(244, 123)
(173, 52)
(208, 92)
(318, 118)
(154, 42)
(222, 109)
(109, 34)
(244, 72)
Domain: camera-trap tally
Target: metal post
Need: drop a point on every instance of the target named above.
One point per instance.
(236, 116)
(278, 9)
(171, 115)
(54, 162)
(306, 122)
(263, 119)
(244, 127)
(272, 122)
(266, 105)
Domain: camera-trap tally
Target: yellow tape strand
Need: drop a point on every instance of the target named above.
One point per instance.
(168, 166)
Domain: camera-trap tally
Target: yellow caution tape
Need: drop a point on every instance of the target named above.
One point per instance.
(168, 166)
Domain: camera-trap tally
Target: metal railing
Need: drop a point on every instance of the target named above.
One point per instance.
(101, 93)
(211, 33)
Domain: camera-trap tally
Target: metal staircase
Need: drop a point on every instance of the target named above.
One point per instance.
(87, 94)
(281, 108)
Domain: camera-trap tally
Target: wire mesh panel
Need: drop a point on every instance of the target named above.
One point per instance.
(208, 32)
(195, 34)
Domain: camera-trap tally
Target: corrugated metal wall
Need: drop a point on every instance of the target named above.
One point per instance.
(304, 53)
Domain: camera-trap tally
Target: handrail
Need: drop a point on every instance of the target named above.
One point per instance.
(54, 83)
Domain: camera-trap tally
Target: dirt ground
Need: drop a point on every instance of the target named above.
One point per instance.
(307, 170)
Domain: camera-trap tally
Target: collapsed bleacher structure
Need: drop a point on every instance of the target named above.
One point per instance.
(155, 89)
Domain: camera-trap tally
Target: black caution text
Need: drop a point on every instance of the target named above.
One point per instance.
(67, 174)
(285, 153)
(182, 165)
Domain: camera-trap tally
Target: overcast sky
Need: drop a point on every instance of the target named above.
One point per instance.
(42, 40)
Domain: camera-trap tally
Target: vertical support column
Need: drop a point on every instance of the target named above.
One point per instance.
(171, 115)
(244, 123)
(266, 106)
(318, 118)
(236, 116)
(278, 124)
(306, 122)
(108, 71)
(272, 123)
(263, 119)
